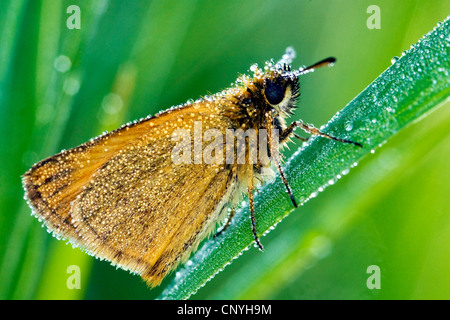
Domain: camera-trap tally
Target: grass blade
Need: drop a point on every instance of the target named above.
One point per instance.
(413, 86)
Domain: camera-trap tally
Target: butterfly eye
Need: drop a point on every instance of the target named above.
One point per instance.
(274, 92)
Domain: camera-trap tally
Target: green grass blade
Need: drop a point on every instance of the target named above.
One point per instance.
(416, 83)
(295, 257)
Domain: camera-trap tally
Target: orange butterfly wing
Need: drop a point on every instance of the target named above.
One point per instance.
(123, 199)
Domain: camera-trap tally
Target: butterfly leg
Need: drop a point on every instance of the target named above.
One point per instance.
(300, 138)
(312, 130)
(274, 152)
(227, 223)
(252, 207)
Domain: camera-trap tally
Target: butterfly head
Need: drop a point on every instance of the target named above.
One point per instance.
(278, 84)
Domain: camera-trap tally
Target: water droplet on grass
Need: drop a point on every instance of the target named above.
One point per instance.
(62, 63)
(394, 59)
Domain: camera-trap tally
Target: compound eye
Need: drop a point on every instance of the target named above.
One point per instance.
(274, 92)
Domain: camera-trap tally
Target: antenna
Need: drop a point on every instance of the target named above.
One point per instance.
(322, 63)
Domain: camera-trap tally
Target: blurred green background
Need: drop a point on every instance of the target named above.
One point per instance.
(59, 87)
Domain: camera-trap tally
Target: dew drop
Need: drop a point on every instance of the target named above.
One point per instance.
(62, 63)
(349, 126)
(394, 59)
(112, 103)
(71, 86)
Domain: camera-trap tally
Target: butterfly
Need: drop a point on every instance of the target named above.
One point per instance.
(145, 195)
